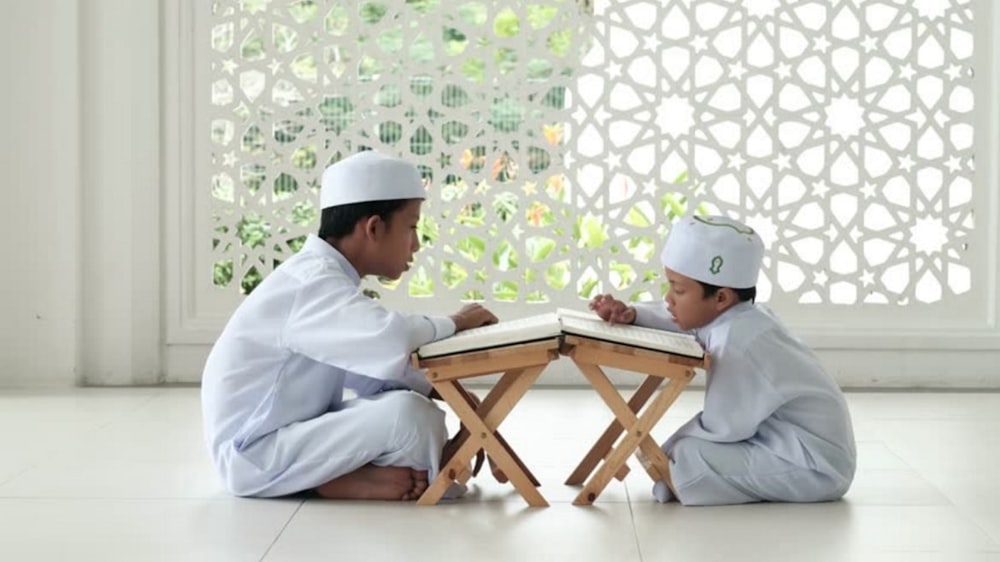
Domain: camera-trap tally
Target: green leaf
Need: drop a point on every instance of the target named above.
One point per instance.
(637, 218)
(590, 233)
(557, 275)
(505, 205)
(505, 258)
(540, 15)
(505, 291)
(453, 274)
(587, 288)
(421, 284)
(539, 248)
(506, 24)
(472, 248)
(473, 13)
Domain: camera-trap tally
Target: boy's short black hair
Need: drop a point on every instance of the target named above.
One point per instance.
(337, 222)
(744, 295)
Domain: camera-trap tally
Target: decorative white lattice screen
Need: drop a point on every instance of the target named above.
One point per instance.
(559, 139)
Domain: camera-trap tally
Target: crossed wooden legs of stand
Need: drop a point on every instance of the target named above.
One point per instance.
(521, 365)
(589, 355)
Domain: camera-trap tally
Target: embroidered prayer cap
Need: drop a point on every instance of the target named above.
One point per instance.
(714, 250)
(370, 176)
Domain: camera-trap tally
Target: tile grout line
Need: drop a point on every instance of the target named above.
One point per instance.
(282, 531)
(631, 516)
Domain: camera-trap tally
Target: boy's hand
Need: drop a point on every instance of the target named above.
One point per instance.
(612, 310)
(472, 316)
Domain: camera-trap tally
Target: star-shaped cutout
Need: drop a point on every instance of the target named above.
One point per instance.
(699, 43)
(867, 278)
(274, 66)
(954, 72)
(906, 71)
(821, 43)
(784, 71)
(953, 164)
(868, 190)
(529, 187)
(906, 162)
(736, 71)
(229, 159)
(652, 42)
(613, 161)
(736, 161)
(614, 70)
(229, 66)
(820, 188)
(782, 162)
(649, 188)
(869, 44)
(820, 278)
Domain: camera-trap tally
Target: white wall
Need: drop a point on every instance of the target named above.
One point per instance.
(79, 293)
(39, 218)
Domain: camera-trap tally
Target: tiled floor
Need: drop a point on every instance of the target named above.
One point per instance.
(120, 474)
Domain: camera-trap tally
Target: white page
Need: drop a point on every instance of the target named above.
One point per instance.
(508, 332)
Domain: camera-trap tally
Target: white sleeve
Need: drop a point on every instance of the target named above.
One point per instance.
(425, 329)
(739, 396)
(332, 322)
(654, 315)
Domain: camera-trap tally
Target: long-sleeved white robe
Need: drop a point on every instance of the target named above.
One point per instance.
(275, 418)
(775, 426)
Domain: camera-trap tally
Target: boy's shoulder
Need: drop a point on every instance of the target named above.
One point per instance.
(306, 266)
(750, 324)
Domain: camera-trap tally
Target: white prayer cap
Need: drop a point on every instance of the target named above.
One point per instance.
(714, 250)
(370, 176)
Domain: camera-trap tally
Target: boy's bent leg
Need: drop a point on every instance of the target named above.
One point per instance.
(383, 442)
(708, 473)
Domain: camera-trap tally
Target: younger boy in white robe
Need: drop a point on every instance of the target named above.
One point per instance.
(275, 416)
(775, 426)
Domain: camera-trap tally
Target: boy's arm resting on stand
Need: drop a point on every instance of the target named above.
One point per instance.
(332, 322)
(654, 315)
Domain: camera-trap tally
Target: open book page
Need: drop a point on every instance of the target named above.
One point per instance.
(508, 332)
(591, 326)
(563, 321)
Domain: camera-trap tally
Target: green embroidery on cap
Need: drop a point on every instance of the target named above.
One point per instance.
(703, 220)
(716, 265)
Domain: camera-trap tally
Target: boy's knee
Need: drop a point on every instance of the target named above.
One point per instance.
(415, 412)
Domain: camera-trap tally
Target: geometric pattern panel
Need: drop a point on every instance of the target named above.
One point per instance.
(559, 140)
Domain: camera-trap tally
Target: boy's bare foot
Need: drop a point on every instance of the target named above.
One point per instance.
(372, 482)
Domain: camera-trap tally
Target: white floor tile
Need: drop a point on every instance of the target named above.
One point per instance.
(819, 532)
(481, 532)
(114, 479)
(129, 530)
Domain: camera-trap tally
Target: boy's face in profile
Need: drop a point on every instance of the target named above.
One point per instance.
(397, 241)
(688, 305)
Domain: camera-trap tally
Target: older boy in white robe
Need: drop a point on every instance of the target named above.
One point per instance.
(275, 417)
(775, 426)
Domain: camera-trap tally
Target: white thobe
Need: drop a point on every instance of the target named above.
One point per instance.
(275, 417)
(775, 425)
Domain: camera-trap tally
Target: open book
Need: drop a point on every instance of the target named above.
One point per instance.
(554, 324)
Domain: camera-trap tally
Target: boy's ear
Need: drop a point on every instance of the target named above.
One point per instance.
(724, 297)
(372, 227)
